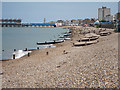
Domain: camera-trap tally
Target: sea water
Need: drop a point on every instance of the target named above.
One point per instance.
(20, 38)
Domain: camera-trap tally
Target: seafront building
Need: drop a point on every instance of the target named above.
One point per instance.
(76, 22)
(110, 18)
(59, 23)
(118, 14)
(103, 13)
(118, 18)
(119, 7)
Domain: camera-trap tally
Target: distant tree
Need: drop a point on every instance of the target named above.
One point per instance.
(87, 19)
(51, 22)
(92, 19)
(73, 20)
(60, 21)
(103, 21)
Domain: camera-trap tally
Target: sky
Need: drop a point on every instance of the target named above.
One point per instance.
(52, 11)
(60, 0)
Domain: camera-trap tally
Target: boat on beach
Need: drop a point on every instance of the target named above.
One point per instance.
(88, 39)
(46, 42)
(67, 38)
(59, 40)
(50, 42)
(85, 43)
(90, 35)
(105, 33)
(61, 37)
(79, 44)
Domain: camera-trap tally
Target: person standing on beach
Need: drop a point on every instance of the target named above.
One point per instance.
(47, 53)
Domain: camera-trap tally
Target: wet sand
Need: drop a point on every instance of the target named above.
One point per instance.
(66, 66)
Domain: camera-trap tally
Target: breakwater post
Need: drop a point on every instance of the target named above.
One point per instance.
(37, 47)
(28, 54)
(26, 49)
(13, 56)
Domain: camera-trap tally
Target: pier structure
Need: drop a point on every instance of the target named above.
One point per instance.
(17, 23)
(10, 22)
(38, 25)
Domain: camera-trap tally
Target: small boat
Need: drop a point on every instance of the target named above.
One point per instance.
(59, 40)
(90, 35)
(67, 34)
(46, 42)
(67, 38)
(93, 38)
(84, 39)
(91, 42)
(88, 39)
(79, 44)
(61, 37)
(50, 42)
(105, 33)
(85, 43)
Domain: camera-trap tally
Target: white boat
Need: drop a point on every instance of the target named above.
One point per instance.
(67, 38)
(50, 42)
(90, 35)
(85, 43)
(105, 33)
(79, 44)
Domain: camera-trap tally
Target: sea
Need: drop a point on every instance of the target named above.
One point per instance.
(20, 38)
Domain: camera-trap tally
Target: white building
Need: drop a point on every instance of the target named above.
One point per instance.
(103, 12)
(58, 24)
(110, 18)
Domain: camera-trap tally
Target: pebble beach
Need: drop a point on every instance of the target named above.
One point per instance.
(66, 65)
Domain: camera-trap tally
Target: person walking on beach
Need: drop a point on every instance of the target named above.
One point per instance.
(47, 53)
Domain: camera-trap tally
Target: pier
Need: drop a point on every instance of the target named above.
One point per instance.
(38, 25)
(10, 22)
(18, 23)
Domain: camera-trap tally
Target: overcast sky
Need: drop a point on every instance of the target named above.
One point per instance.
(52, 11)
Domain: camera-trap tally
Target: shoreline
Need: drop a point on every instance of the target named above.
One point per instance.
(66, 66)
(30, 50)
(42, 48)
